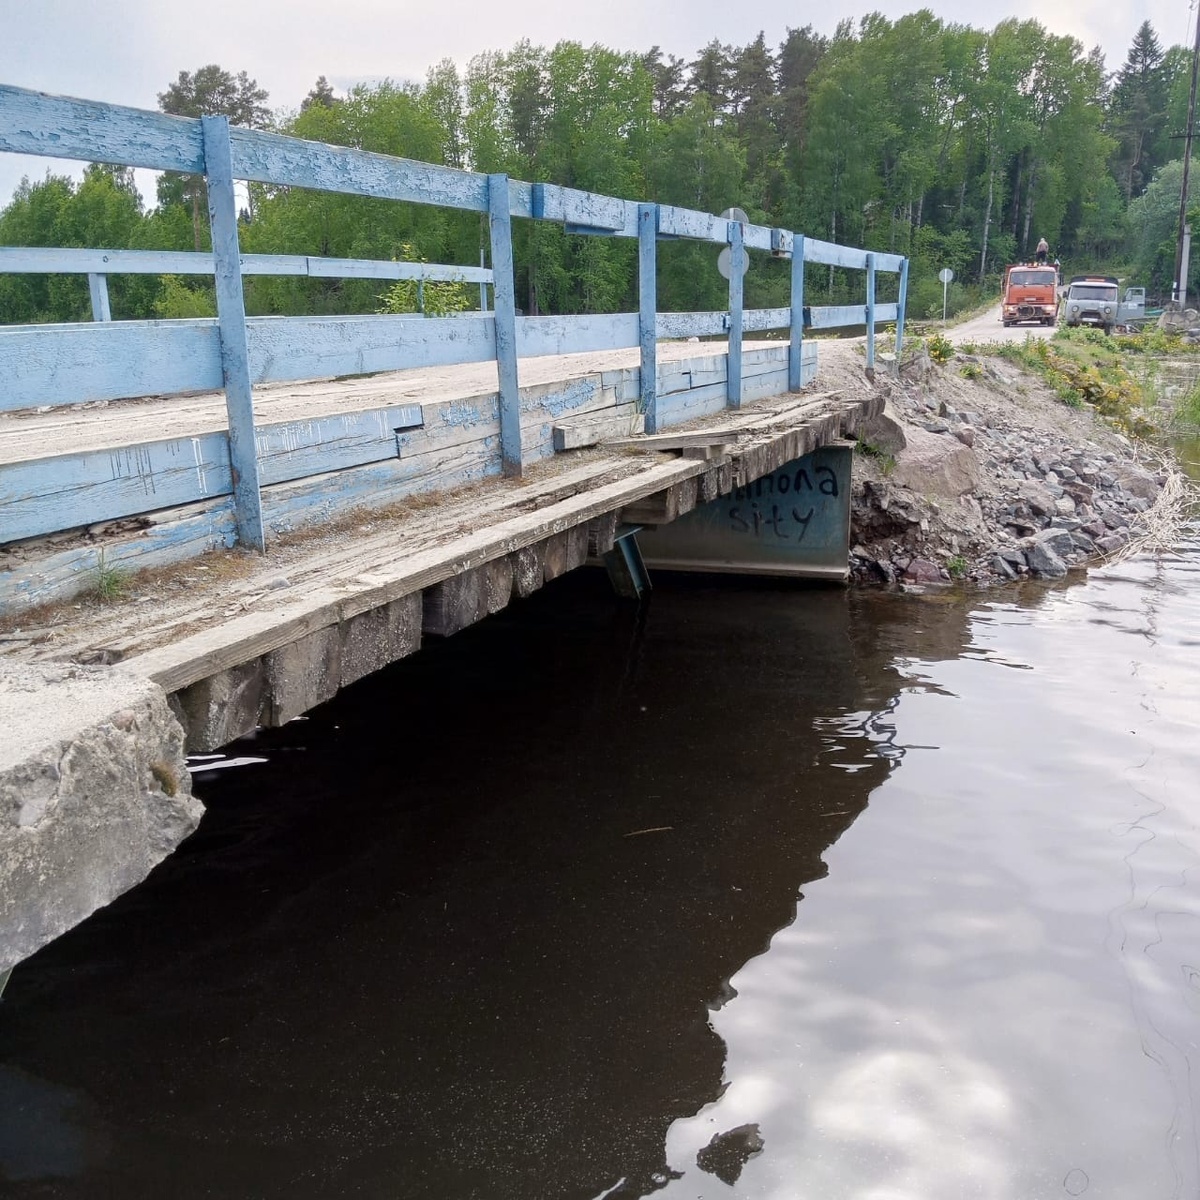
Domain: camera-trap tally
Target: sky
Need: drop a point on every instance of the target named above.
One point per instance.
(127, 51)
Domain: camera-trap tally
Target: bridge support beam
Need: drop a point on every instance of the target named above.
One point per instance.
(626, 570)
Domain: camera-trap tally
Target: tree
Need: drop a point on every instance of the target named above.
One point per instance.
(321, 94)
(210, 91)
(1138, 108)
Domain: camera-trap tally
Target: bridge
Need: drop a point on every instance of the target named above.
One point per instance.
(439, 466)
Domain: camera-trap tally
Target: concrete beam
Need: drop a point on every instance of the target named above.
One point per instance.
(94, 792)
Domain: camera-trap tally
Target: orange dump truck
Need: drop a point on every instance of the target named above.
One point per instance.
(1030, 294)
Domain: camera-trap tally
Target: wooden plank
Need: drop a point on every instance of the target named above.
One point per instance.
(42, 496)
(796, 321)
(584, 210)
(737, 272)
(231, 321)
(831, 316)
(529, 569)
(870, 306)
(901, 306)
(647, 226)
(365, 268)
(455, 603)
(574, 435)
(693, 324)
(757, 237)
(252, 634)
(273, 158)
(504, 324)
(574, 335)
(602, 533)
(289, 348)
(98, 287)
(71, 364)
(754, 319)
(39, 260)
(687, 223)
(63, 127)
(719, 436)
(834, 255)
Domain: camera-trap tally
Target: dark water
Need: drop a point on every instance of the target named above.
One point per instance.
(769, 892)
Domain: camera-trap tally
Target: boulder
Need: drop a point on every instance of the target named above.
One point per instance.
(934, 464)
(884, 432)
(1044, 562)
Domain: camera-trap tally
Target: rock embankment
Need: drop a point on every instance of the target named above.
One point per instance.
(978, 471)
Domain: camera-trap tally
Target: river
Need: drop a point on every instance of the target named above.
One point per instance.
(766, 891)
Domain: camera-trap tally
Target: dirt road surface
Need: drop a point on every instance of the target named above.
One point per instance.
(989, 328)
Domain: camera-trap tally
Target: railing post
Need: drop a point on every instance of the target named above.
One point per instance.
(796, 330)
(98, 286)
(901, 305)
(504, 291)
(231, 319)
(482, 286)
(648, 311)
(870, 312)
(737, 268)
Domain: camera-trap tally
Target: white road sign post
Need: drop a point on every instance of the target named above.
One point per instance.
(945, 275)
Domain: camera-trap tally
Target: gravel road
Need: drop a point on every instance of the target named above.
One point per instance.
(989, 328)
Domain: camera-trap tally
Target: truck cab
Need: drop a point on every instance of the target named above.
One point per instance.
(1029, 294)
(1092, 300)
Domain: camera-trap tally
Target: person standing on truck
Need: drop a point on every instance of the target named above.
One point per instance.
(1043, 249)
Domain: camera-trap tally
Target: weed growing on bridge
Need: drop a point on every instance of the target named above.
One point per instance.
(109, 583)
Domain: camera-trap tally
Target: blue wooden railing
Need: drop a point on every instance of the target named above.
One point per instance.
(52, 365)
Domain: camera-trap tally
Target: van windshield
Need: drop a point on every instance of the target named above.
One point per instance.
(1032, 279)
(1093, 291)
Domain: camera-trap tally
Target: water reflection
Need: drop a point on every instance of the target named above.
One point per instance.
(464, 930)
(519, 918)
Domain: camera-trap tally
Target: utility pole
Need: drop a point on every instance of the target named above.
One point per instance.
(1180, 289)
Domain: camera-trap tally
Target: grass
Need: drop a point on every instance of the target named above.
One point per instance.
(957, 566)
(109, 583)
(886, 461)
(1087, 369)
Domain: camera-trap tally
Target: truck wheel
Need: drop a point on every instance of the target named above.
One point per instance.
(1007, 324)
(1108, 331)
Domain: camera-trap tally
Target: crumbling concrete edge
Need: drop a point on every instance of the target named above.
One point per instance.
(94, 793)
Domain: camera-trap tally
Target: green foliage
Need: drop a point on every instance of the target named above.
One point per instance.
(1083, 367)
(970, 370)
(434, 298)
(940, 348)
(957, 566)
(1188, 411)
(183, 298)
